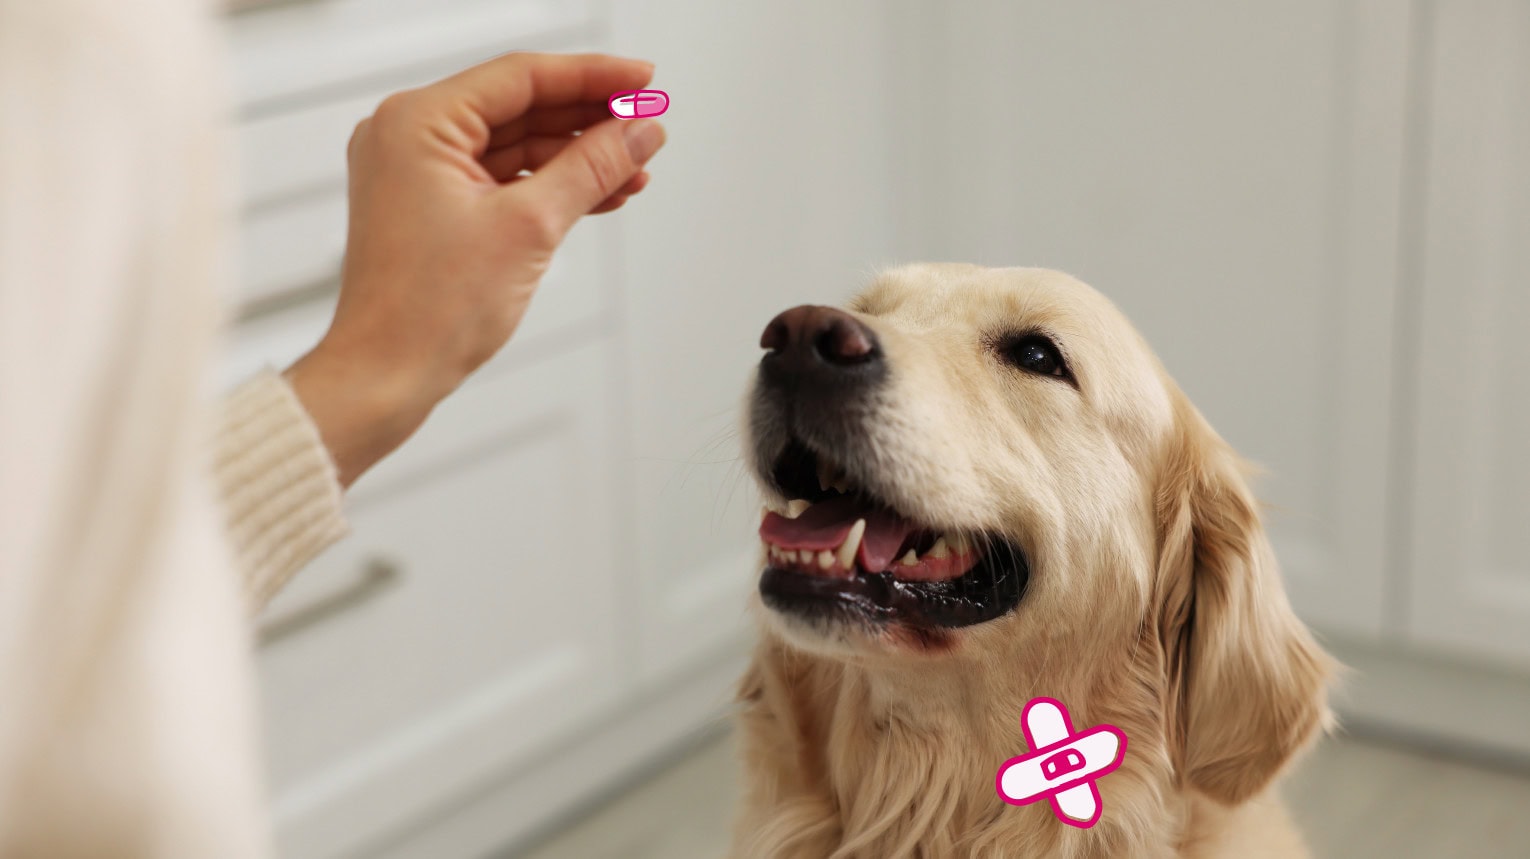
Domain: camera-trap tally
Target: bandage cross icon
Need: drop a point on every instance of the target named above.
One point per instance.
(1062, 765)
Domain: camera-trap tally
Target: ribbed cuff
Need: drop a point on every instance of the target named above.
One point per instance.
(280, 491)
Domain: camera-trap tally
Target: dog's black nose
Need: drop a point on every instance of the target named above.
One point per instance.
(811, 336)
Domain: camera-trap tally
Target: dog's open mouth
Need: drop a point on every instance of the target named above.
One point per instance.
(839, 551)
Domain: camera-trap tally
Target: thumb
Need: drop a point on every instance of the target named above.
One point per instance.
(593, 167)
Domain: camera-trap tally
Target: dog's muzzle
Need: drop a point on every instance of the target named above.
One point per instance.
(812, 349)
(838, 549)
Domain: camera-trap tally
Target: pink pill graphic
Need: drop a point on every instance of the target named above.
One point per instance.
(638, 103)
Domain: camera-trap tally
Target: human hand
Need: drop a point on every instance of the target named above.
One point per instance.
(460, 192)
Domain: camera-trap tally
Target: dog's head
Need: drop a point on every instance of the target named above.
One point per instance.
(973, 466)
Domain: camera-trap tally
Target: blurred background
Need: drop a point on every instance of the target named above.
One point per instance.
(1317, 210)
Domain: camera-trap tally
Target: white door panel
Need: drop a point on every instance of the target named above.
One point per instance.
(1470, 577)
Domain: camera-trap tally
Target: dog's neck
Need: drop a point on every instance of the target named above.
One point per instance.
(910, 751)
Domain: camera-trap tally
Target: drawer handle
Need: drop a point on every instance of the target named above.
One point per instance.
(377, 576)
(237, 6)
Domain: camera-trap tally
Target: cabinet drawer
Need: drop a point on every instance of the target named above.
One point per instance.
(471, 617)
(571, 302)
(301, 151)
(292, 248)
(296, 50)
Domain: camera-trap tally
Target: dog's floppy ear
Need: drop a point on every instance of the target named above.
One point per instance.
(1247, 683)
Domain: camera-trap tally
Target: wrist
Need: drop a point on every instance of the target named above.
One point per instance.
(362, 411)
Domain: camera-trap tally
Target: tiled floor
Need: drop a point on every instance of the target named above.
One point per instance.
(1355, 799)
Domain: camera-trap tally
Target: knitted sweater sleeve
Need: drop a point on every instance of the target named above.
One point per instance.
(282, 500)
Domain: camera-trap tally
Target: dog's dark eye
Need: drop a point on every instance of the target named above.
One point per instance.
(1034, 353)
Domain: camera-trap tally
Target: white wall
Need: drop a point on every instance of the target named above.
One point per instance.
(1205, 165)
(772, 191)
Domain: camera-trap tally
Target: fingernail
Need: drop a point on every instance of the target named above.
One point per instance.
(644, 137)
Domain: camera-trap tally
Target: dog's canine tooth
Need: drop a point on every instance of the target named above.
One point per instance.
(825, 473)
(841, 484)
(960, 545)
(795, 507)
(852, 543)
(940, 549)
(825, 559)
(910, 559)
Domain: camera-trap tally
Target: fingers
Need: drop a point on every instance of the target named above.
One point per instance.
(612, 203)
(531, 153)
(635, 184)
(615, 201)
(506, 164)
(502, 89)
(548, 121)
(590, 169)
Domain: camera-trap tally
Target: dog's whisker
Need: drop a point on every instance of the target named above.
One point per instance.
(686, 466)
(733, 480)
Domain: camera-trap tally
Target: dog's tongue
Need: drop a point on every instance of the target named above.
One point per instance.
(826, 524)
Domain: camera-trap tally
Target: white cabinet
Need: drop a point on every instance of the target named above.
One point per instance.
(1469, 566)
(480, 623)
(468, 621)
(549, 583)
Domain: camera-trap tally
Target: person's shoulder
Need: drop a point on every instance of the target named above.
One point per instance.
(147, 52)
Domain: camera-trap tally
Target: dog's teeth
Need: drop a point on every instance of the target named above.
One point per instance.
(959, 544)
(841, 484)
(795, 507)
(825, 474)
(852, 543)
(940, 549)
(825, 559)
(910, 559)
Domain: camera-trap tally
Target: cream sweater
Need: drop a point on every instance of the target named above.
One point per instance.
(126, 693)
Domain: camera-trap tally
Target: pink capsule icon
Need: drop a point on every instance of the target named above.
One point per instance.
(638, 103)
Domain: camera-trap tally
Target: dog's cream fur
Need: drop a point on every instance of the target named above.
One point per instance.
(1154, 604)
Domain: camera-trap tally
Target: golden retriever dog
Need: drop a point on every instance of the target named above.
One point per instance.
(982, 487)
